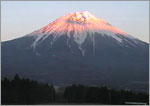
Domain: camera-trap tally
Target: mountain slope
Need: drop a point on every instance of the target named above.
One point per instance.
(77, 48)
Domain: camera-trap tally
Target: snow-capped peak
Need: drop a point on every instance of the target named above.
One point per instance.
(79, 21)
(81, 17)
(81, 24)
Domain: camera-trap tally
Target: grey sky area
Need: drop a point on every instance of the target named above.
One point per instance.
(19, 18)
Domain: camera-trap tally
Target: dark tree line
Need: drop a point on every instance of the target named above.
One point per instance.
(25, 91)
(102, 95)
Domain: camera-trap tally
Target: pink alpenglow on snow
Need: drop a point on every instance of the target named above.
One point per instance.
(80, 21)
(78, 25)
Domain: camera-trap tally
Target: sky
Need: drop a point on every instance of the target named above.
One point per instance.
(19, 18)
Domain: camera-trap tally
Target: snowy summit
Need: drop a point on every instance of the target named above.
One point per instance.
(79, 25)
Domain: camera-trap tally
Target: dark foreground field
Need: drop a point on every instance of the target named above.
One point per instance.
(25, 91)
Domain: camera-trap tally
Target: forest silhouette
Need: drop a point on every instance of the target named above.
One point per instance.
(26, 91)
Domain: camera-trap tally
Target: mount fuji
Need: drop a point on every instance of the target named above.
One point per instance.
(78, 48)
